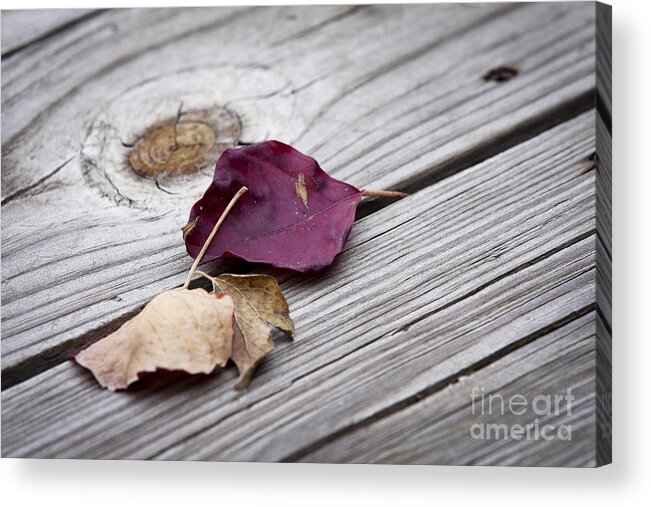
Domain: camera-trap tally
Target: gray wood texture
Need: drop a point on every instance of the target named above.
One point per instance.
(379, 327)
(21, 28)
(604, 244)
(414, 102)
(435, 431)
(484, 274)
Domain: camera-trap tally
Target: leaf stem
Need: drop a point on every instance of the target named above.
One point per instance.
(383, 193)
(212, 279)
(205, 246)
(206, 276)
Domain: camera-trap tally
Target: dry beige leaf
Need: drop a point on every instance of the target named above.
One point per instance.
(259, 306)
(179, 329)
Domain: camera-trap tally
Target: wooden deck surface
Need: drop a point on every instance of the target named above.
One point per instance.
(485, 276)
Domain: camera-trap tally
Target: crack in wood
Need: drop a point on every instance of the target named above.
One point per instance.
(319, 26)
(51, 33)
(36, 184)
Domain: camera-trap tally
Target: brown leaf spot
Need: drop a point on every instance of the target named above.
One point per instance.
(301, 189)
(187, 228)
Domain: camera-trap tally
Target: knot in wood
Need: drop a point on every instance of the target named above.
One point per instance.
(501, 73)
(186, 143)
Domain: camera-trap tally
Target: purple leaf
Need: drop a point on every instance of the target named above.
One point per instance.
(294, 215)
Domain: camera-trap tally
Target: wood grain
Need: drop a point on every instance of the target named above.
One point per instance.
(604, 63)
(436, 429)
(383, 96)
(604, 246)
(20, 28)
(445, 281)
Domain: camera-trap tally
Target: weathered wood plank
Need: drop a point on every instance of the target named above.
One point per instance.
(437, 429)
(404, 81)
(603, 370)
(429, 286)
(23, 27)
(604, 63)
(603, 392)
(390, 372)
(107, 61)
